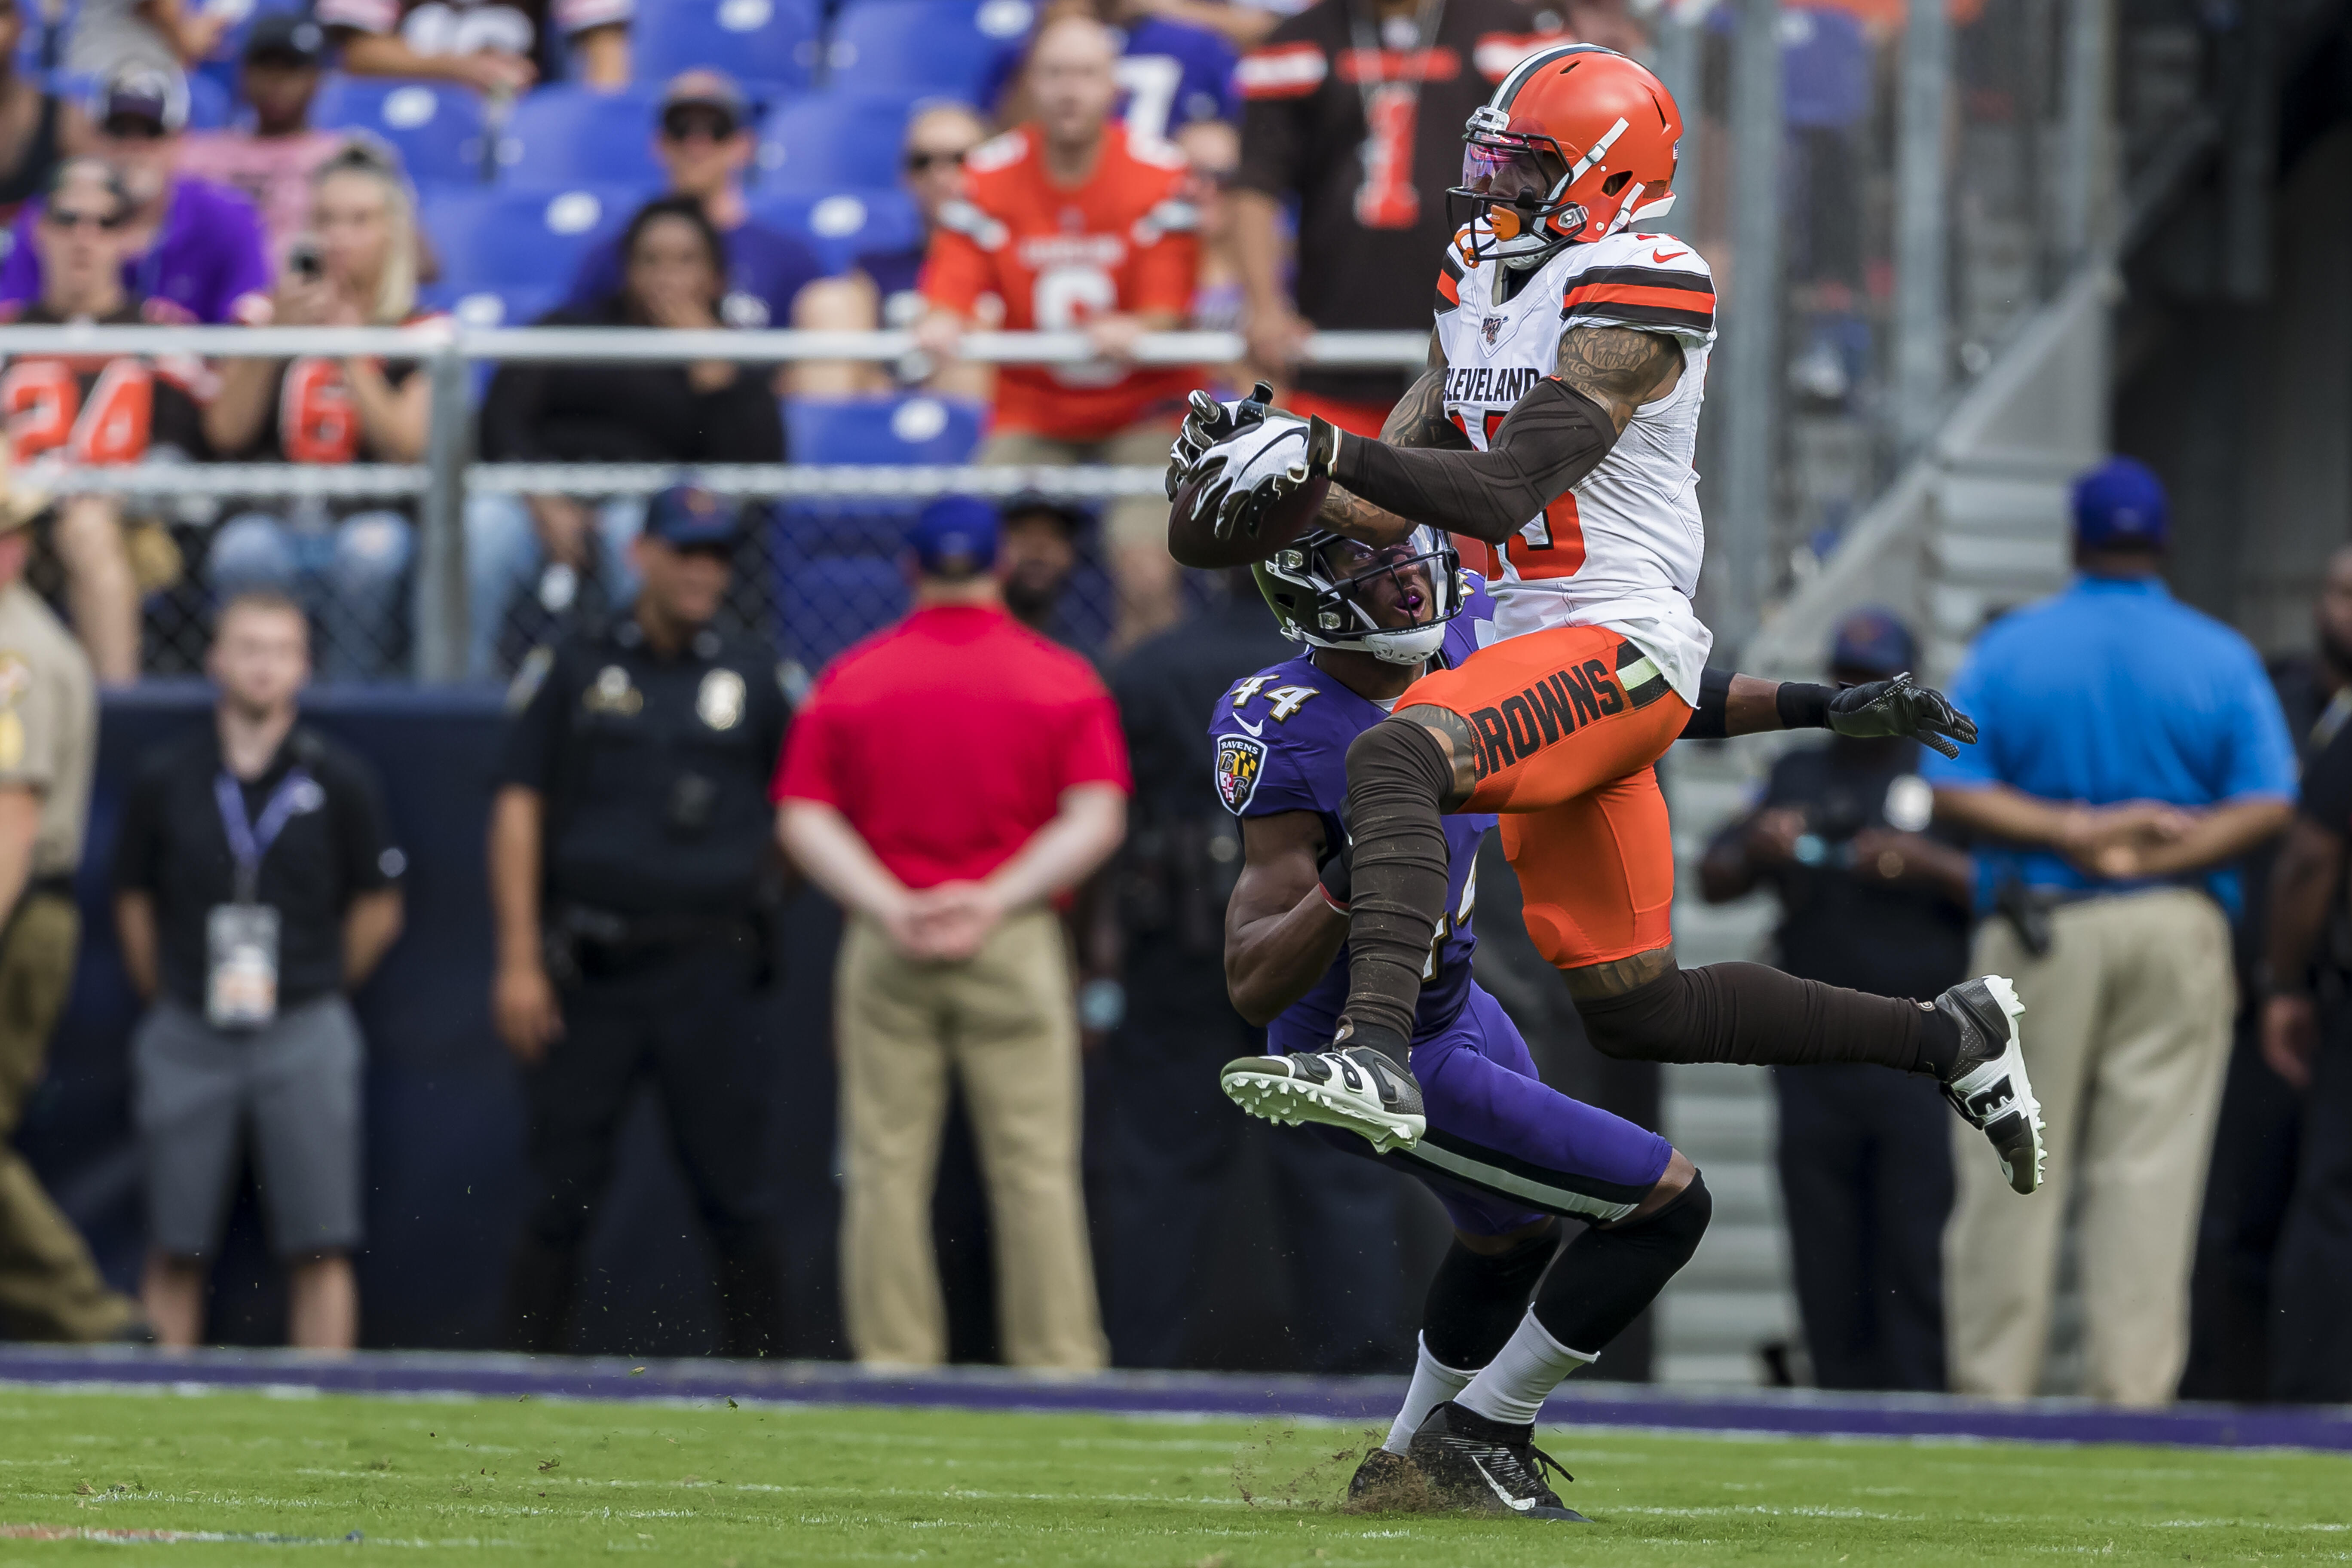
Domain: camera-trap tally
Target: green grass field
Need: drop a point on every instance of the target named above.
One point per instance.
(457, 1480)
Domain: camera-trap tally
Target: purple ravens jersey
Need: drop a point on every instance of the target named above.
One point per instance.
(1282, 738)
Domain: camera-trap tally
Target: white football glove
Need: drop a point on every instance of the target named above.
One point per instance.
(1249, 470)
(1207, 423)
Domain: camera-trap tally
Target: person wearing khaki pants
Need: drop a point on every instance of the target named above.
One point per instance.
(1002, 1022)
(49, 1286)
(2128, 1034)
(946, 780)
(2131, 750)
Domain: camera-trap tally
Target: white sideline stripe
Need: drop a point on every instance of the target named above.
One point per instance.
(1511, 1184)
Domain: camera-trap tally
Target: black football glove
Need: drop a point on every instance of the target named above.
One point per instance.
(1902, 707)
(1208, 422)
(1338, 867)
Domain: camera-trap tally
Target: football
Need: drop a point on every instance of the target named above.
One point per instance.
(1257, 463)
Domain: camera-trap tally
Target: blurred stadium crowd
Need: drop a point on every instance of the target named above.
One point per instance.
(1116, 167)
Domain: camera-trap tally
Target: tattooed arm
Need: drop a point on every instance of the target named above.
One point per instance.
(1554, 436)
(1620, 368)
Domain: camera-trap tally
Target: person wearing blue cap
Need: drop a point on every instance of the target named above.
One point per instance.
(2131, 750)
(1869, 899)
(633, 884)
(948, 779)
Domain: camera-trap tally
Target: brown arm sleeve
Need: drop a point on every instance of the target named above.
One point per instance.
(1553, 438)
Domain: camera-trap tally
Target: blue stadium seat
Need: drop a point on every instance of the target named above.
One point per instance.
(768, 41)
(437, 126)
(212, 104)
(841, 226)
(834, 142)
(561, 136)
(510, 307)
(922, 46)
(501, 240)
(836, 562)
(919, 429)
(829, 602)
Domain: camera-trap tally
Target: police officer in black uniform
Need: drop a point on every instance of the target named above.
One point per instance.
(1173, 1133)
(632, 875)
(1868, 899)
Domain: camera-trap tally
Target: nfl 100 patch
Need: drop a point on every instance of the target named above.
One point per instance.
(1241, 762)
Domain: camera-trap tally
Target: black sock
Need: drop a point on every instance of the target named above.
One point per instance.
(1389, 1043)
(1604, 1278)
(1397, 779)
(1477, 1301)
(1749, 1013)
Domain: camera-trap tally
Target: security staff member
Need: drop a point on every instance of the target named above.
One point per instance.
(631, 872)
(49, 1288)
(1867, 900)
(1173, 1133)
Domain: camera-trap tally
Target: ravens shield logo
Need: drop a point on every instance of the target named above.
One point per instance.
(1240, 763)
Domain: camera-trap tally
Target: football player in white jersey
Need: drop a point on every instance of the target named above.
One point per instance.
(1553, 436)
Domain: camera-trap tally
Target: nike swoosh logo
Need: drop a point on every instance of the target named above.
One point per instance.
(1517, 1505)
(1664, 256)
(1253, 728)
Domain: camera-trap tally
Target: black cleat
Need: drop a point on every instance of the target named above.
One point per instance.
(1988, 1087)
(1383, 1472)
(1489, 1466)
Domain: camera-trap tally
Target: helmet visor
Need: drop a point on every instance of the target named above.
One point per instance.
(1511, 171)
(1393, 587)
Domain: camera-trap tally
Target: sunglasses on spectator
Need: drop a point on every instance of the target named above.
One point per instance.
(66, 218)
(686, 122)
(921, 162)
(1219, 178)
(133, 127)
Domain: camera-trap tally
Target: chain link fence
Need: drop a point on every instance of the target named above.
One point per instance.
(454, 570)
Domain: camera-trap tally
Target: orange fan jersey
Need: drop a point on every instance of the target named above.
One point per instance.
(99, 409)
(1122, 242)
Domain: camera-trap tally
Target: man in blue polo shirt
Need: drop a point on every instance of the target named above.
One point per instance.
(2132, 750)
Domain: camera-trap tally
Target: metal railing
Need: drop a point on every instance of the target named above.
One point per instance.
(438, 487)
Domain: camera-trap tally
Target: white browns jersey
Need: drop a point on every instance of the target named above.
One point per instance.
(1623, 548)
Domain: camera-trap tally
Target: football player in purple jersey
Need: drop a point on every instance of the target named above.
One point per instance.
(1505, 1153)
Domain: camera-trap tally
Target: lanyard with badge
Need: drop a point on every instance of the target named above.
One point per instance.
(241, 936)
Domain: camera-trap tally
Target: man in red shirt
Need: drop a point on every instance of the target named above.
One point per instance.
(947, 780)
(1074, 224)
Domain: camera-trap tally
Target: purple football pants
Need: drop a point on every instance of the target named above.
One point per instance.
(1503, 1148)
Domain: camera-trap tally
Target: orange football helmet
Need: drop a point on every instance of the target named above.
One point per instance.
(1577, 142)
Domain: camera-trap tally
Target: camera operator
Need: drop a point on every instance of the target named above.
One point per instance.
(1867, 900)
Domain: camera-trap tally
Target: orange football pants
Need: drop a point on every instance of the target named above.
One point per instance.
(1567, 724)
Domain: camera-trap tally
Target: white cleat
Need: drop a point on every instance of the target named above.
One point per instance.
(1988, 1087)
(1358, 1088)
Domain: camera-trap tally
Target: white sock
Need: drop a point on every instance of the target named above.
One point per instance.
(1513, 1386)
(1434, 1382)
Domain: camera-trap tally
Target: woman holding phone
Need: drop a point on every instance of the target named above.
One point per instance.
(346, 562)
